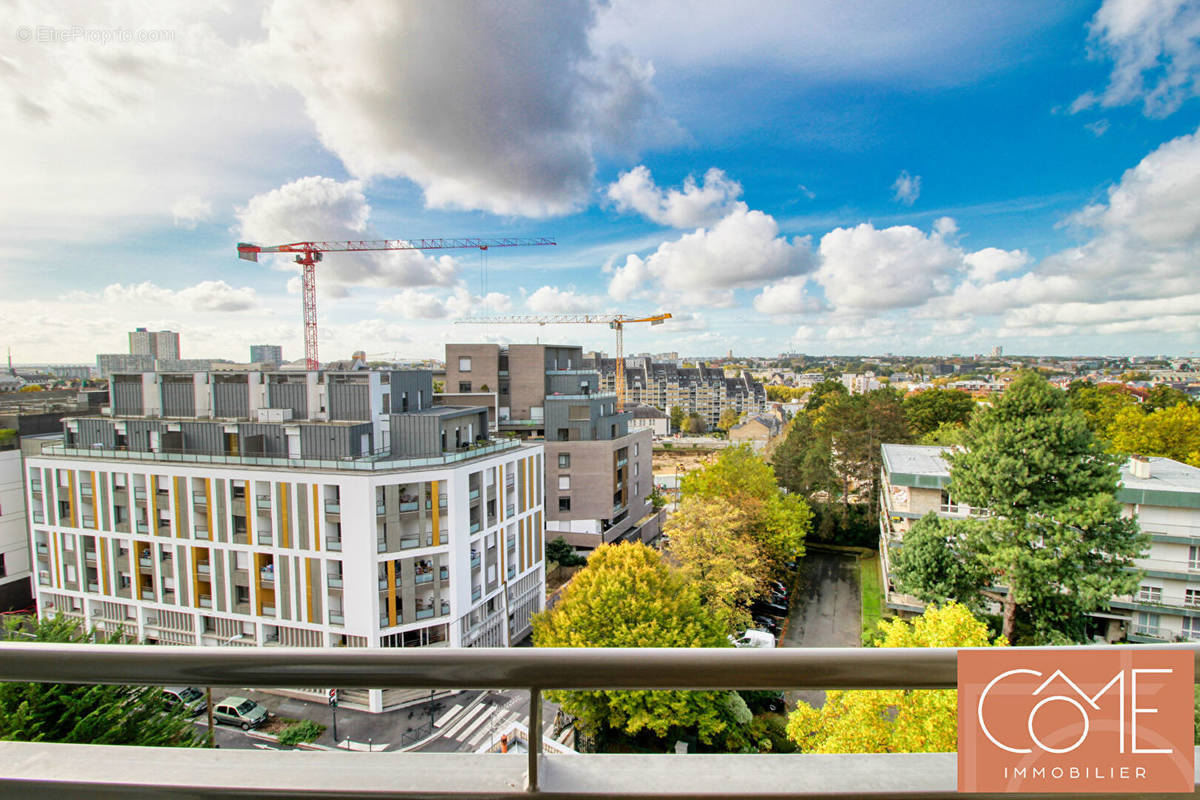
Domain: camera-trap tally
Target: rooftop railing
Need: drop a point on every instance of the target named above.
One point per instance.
(30, 769)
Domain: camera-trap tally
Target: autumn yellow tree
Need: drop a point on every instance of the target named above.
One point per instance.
(1171, 432)
(894, 721)
(712, 543)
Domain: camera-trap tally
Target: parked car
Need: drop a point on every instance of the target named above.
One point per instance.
(778, 586)
(767, 623)
(189, 697)
(239, 711)
(753, 638)
(768, 609)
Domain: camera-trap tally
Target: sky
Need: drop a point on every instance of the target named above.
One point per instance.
(797, 176)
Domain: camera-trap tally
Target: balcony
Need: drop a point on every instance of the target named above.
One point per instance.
(262, 502)
(333, 507)
(43, 548)
(409, 506)
(474, 560)
(474, 527)
(335, 582)
(426, 613)
(43, 770)
(409, 542)
(336, 618)
(267, 575)
(476, 593)
(510, 511)
(381, 509)
(473, 494)
(424, 577)
(333, 544)
(203, 568)
(200, 498)
(206, 601)
(39, 518)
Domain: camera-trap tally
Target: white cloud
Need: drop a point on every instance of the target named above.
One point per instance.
(552, 300)
(697, 205)
(684, 322)
(1152, 44)
(414, 304)
(204, 296)
(907, 188)
(985, 265)
(499, 106)
(1097, 128)
(316, 209)
(189, 211)
(703, 267)
(788, 296)
(869, 268)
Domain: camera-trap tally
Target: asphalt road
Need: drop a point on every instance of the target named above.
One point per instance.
(826, 610)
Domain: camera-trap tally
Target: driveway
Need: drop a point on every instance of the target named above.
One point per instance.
(827, 611)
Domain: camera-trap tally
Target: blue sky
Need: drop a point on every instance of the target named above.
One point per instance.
(820, 177)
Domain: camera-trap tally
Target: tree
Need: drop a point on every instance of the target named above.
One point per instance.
(896, 721)
(1162, 396)
(677, 418)
(627, 596)
(563, 554)
(1170, 432)
(947, 434)
(822, 392)
(803, 461)
(729, 418)
(928, 410)
(88, 714)
(694, 423)
(857, 425)
(1099, 404)
(741, 478)
(1056, 538)
(929, 566)
(714, 546)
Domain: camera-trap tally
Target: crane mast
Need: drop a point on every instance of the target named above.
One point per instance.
(309, 254)
(615, 321)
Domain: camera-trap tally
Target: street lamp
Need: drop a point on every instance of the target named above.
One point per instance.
(678, 488)
(208, 693)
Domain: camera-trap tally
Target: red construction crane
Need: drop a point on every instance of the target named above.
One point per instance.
(309, 253)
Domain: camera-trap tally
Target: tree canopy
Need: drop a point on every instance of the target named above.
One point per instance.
(856, 426)
(628, 596)
(896, 721)
(739, 477)
(558, 551)
(1171, 432)
(729, 418)
(1099, 404)
(677, 417)
(932, 565)
(931, 408)
(821, 393)
(1055, 536)
(88, 714)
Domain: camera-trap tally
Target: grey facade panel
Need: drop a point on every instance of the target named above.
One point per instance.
(231, 399)
(93, 432)
(415, 435)
(179, 398)
(415, 385)
(573, 384)
(293, 395)
(137, 433)
(261, 438)
(203, 437)
(332, 441)
(127, 397)
(349, 401)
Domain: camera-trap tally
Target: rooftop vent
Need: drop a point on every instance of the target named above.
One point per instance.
(1140, 466)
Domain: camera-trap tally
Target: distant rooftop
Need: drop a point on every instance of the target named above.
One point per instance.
(916, 465)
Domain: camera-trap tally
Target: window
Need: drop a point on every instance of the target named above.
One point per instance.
(464, 386)
(1149, 594)
(564, 504)
(1191, 628)
(464, 363)
(1194, 558)
(241, 594)
(635, 449)
(564, 460)
(564, 483)
(1191, 597)
(387, 403)
(3, 569)
(564, 434)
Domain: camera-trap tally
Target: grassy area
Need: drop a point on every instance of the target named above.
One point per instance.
(872, 593)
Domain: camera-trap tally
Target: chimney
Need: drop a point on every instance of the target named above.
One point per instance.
(1140, 466)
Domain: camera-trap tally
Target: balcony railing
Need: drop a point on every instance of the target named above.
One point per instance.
(43, 770)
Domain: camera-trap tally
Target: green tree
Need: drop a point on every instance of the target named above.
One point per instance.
(803, 461)
(929, 409)
(931, 567)
(694, 423)
(1056, 539)
(857, 425)
(627, 596)
(88, 714)
(1099, 404)
(822, 392)
(1170, 432)
(784, 394)
(713, 543)
(947, 434)
(1161, 396)
(740, 477)
(563, 554)
(729, 418)
(677, 418)
(896, 721)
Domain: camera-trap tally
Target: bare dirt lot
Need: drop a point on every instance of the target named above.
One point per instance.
(687, 459)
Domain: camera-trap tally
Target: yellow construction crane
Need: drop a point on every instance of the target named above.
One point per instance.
(615, 321)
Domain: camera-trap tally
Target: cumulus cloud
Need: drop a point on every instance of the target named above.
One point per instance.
(317, 208)
(414, 304)
(989, 263)
(204, 296)
(703, 267)
(494, 106)
(907, 188)
(1152, 44)
(695, 206)
(189, 211)
(788, 296)
(865, 267)
(552, 300)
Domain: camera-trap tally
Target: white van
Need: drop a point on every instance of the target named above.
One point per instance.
(752, 638)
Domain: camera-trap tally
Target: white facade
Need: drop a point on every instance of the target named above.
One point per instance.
(363, 556)
(14, 531)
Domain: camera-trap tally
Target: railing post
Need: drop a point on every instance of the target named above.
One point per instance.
(535, 737)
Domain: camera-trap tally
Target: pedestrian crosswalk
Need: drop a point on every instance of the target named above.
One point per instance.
(483, 724)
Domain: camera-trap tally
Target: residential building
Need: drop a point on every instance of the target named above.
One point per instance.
(266, 354)
(657, 421)
(160, 344)
(860, 384)
(757, 430)
(15, 570)
(108, 364)
(699, 390)
(598, 468)
(1163, 494)
(314, 509)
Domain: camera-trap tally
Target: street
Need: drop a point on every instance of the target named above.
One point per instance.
(826, 610)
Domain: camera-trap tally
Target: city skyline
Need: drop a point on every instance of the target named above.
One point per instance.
(812, 179)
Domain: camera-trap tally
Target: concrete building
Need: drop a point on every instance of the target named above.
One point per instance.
(266, 354)
(160, 344)
(15, 569)
(655, 420)
(700, 390)
(1163, 494)
(108, 364)
(598, 469)
(314, 509)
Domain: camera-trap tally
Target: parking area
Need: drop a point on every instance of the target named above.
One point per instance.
(826, 610)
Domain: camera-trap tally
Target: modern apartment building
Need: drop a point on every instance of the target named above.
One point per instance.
(700, 390)
(598, 469)
(1163, 494)
(160, 344)
(15, 570)
(315, 509)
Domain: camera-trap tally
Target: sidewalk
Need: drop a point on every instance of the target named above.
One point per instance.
(384, 731)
